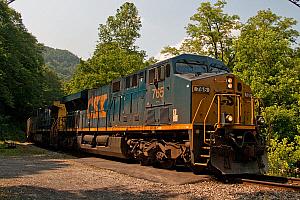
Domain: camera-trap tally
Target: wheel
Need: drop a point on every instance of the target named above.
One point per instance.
(145, 161)
(167, 164)
(198, 169)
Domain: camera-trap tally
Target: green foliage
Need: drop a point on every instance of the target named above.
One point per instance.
(21, 150)
(20, 62)
(62, 62)
(266, 60)
(284, 157)
(115, 55)
(122, 29)
(210, 33)
(281, 122)
(25, 83)
(10, 129)
(51, 86)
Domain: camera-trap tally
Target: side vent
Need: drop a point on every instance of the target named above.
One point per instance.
(164, 116)
(150, 117)
(136, 117)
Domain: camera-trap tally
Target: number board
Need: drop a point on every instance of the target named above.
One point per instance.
(201, 89)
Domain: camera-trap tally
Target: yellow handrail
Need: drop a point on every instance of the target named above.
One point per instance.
(219, 112)
(197, 110)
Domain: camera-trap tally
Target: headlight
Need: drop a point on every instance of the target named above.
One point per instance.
(229, 118)
(229, 82)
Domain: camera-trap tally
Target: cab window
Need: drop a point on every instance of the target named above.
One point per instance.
(127, 82)
(151, 76)
(116, 86)
(168, 70)
(134, 81)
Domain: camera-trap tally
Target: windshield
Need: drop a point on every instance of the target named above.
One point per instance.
(217, 69)
(197, 68)
(194, 68)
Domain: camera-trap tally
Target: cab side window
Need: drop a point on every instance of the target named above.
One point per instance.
(159, 73)
(127, 82)
(116, 87)
(134, 82)
(151, 76)
(168, 70)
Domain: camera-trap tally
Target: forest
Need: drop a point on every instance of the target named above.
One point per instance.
(63, 62)
(263, 52)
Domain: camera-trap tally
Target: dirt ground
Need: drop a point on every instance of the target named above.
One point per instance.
(41, 174)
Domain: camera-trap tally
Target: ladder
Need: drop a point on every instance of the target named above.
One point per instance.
(205, 149)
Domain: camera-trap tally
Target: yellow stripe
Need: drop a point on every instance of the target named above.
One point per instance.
(138, 128)
(247, 127)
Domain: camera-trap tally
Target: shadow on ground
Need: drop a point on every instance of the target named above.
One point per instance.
(268, 195)
(13, 167)
(30, 192)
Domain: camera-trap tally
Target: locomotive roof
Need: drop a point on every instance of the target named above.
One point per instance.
(183, 57)
(71, 97)
(192, 57)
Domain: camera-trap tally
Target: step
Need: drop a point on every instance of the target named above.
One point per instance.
(201, 164)
(208, 140)
(205, 148)
(209, 131)
(205, 156)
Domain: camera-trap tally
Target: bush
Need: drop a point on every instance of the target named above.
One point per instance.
(284, 157)
(9, 130)
(281, 122)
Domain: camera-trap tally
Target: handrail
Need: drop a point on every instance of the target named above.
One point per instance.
(197, 110)
(252, 110)
(219, 112)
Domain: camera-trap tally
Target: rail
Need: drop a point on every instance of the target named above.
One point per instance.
(273, 181)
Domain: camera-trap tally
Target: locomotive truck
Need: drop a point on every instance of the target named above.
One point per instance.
(186, 110)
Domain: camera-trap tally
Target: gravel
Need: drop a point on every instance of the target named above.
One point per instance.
(55, 177)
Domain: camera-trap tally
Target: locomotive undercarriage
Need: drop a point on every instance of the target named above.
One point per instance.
(158, 149)
(226, 151)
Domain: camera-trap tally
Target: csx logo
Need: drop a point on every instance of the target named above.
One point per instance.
(158, 93)
(97, 104)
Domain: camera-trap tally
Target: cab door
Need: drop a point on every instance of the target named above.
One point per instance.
(158, 88)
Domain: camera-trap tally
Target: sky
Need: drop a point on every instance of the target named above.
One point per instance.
(73, 24)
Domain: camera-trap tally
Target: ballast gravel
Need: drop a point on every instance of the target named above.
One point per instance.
(56, 177)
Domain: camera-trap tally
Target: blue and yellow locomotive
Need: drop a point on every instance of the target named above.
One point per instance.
(186, 110)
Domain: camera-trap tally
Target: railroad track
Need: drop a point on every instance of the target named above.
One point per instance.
(273, 181)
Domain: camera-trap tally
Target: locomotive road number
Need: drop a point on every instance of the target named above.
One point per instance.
(202, 89)
(158, 93)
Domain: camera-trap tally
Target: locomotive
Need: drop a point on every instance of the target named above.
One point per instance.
(186, 110)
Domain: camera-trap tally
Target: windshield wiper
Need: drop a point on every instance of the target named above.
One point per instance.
(186, 62)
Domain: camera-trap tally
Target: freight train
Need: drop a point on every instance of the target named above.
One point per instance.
(186, 110)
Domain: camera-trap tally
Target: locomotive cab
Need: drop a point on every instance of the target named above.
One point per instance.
(224, 133)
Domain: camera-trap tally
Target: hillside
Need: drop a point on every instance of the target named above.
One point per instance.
(62, 61)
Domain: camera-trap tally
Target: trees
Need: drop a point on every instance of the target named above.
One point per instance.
(210, 33)
(62, 62)
(20, 62)
(23, 78)
(115, 55)
(284, 157)
(266, 60)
